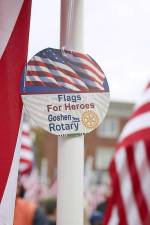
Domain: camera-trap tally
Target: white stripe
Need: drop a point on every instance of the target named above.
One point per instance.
(136, 124)
(114, 218)
(143, 169)
(84, 61)
(130, 206)
(27, 155)
(62, 84)
(78, 82)
(36, 78)
(56, 73)
(90, 74)
(23, 166)
(48, 61)
(93, 83)
(26, 127)
(145, 98)
(9, 11)
(9, 196)
(26, 140)
(63, 66)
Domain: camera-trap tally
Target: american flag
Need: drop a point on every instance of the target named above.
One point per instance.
(56, 70)
(26, 153)
(130, 170)
(14, 33)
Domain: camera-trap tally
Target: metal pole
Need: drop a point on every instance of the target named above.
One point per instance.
(71, 149)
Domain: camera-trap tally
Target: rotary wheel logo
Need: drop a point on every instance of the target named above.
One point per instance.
(90, 119)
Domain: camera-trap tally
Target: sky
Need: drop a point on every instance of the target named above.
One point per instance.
(116, 34)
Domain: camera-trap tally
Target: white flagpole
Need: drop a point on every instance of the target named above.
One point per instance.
(71, 149)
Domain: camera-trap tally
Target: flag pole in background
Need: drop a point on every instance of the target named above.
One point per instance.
(71, 148)
(14, 33)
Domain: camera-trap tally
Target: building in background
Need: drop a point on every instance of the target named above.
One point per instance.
(99, 144)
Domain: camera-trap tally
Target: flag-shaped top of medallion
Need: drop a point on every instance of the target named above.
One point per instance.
(56, 70)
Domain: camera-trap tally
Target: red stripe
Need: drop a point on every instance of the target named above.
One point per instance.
(117, 193)
(25, 133)
(95, 63)
(110, 207)
(83, 56)
(143, 109)
(50, 66)
(118, 196)
(58, 79)
(11, 66)
(39, 83)
(136, 136)
(137, 192)
(64, 71)
(85, 66)
(147, 148)
(26, 147)
(26, 170)
(24, 160)
(40, 73)
(148, 86)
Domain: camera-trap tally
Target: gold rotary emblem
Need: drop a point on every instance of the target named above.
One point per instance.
(90, 119)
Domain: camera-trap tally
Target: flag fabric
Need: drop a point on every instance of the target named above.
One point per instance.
(14, 32)
(53, 188)
(32, 186)
(54, 70)
(130, 170)
(26, 153)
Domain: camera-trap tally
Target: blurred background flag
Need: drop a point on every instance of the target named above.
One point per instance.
(130, 170)
(14, 33)
(26, 153)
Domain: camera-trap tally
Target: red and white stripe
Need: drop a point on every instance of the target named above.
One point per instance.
(45, 70)
(73, 78)
(130, 171)
(26, 153)
(14, 32)
(85, 61)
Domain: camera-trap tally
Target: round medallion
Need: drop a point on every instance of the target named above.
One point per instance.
(65, 92)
